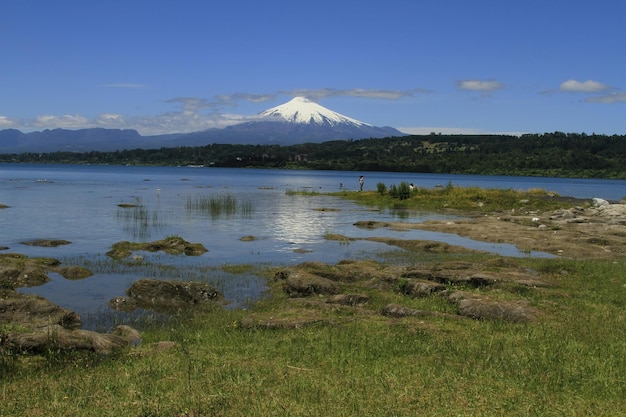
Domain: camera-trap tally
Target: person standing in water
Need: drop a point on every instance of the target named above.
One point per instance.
(361, 182)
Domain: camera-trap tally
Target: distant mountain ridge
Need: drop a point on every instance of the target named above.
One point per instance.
(298, 121)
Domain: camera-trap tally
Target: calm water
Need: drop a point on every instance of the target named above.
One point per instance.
(80, 204)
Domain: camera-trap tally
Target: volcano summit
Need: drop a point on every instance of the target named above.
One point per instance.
(302, 120)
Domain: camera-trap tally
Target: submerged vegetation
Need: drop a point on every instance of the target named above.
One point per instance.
(138, 219)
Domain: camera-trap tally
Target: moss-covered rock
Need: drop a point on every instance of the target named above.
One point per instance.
(172, 245)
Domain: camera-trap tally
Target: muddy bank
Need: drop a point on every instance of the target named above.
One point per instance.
(594, 231)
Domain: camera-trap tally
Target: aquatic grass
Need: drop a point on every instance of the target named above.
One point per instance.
(139, 220)
(302, 191)
(219, 205)
(343, 240)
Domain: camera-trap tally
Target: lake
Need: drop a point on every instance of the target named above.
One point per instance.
(81, 204)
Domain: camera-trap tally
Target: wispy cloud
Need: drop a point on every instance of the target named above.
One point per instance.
(485, 87)
(232, 99)
(617, 97)
(589, 86)
(193, 104)
(354, 92)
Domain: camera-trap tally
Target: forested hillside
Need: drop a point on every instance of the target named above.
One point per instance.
(554, 154)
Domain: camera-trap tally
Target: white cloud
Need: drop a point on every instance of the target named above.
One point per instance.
(589, 86)
(618, 97)
(483, 86)
(453, 131)
(67, 121)
(6, 122)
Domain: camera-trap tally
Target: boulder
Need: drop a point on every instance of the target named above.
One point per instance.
(172, 245)
(74, 272)
(484, 308)
(418, 288)
(46, 326)
(160, 295)
(599, 202)
(395, 310)
(32, 311)
(348, 299)
(56, 337)
(304, 284)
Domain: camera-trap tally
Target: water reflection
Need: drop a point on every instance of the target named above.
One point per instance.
(302, 219)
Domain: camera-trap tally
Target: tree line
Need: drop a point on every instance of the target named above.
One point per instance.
(555, 154)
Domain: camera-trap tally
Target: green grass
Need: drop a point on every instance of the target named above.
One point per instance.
(572, 361)
(460, 198)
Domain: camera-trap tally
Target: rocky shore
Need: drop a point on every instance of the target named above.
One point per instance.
(34, 324)
(591, 230)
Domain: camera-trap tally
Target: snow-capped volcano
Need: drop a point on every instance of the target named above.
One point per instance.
(302, 120)
(301, 110)
(297, 121)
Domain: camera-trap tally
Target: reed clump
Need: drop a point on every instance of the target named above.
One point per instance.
(139, 219)
(219, 205)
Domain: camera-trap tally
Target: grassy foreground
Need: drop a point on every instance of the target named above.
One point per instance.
(570, 362)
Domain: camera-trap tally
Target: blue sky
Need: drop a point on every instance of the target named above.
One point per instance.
(418, 65)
